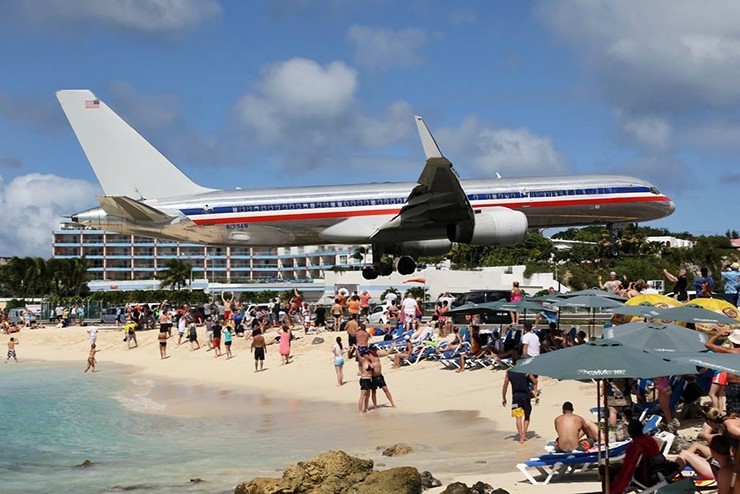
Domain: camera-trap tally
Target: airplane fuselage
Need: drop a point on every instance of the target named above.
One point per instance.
(302, 215)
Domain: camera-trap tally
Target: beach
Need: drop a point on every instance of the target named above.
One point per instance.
(455, 422)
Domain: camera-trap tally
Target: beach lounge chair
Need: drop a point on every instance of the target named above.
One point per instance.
(664, 481)
(651, 424)
(554, 466)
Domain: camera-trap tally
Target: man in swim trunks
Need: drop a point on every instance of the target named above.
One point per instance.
(11, 350)
(571, 428)
(259, 347)
(378, 379)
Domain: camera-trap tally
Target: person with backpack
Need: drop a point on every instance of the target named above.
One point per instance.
(704, 284)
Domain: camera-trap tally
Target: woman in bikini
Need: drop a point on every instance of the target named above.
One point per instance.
(366, 381)
(91, 359)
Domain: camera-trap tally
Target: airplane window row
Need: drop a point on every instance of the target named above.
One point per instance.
(309, 205)
(559, 193)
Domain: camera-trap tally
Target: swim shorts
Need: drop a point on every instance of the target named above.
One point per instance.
(339, 361)
(720, 378)
(366, 383)
(259, 353)
(379, 381)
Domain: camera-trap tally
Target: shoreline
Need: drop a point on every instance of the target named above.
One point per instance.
(457, 417)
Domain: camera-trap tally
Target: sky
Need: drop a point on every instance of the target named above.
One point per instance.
(298, 92)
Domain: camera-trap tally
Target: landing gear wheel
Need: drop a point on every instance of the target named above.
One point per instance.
(385, 269)
(369, 273)
(406, 265)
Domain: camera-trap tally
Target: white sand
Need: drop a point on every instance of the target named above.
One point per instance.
(422, 388)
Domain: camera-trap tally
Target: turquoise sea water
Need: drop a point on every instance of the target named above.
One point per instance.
(53, 417)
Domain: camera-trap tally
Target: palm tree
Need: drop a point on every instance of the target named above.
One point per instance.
(176, 274)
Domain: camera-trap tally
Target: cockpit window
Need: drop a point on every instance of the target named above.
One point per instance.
(653, 190)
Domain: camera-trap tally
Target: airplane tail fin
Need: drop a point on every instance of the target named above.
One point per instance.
(125, 163)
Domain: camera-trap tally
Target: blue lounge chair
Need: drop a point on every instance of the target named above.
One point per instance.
(556, 465)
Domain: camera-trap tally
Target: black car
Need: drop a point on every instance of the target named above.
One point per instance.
(482, 296)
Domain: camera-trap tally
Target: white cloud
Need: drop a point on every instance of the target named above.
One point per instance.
(299, 103)
(649, 131)
(33, 206)
(147, 16)
(483, 150)
(385, 48)
(661, 56)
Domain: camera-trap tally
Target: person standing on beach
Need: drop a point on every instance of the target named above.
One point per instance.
(378, 379)
(162, 343)
(338, 351)
(285, 336)
(193, 337)
(521, 406)
(182, 324)
(259, 347)
(91, 359)
(228, 337)
(92, 334)
(216, 330)
(130, 330)
(366, 381)
(11, 350)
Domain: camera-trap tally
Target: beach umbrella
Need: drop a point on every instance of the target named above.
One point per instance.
(695, 314)
(523, 306)
(655, 337)
(590, 302)
(593, 292)
(467, 309)
(647, 299)
(602, 360)
(716, 305)
(642, 311)
(727, 362)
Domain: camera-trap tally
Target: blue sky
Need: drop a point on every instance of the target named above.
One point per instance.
(286, 93)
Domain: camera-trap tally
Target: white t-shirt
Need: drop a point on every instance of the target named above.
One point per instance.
(92, 331)
(390, 297)
(533, 344)
(409, 306)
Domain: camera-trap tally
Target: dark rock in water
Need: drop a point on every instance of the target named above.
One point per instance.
(477, 488)
(84, 464)
(317, 340)
(457, 488)
(196, 480)
(482, 462)
(398, 449)
(428, 481)
(335, 472)
(401, 480)
(482, 488)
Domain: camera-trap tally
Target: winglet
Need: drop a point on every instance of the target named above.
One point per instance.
(427, 140)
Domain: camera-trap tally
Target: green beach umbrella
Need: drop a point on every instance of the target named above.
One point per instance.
(655, 337)
(645, 309)
(695, 314)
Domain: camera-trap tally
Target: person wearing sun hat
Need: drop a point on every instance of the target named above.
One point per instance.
(732, 386)
(731, 277)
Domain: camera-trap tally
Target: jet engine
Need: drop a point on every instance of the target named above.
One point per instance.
(497, 226)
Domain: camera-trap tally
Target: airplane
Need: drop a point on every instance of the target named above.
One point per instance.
(147, 195)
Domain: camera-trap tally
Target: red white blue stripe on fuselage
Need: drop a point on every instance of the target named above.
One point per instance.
(546, 207)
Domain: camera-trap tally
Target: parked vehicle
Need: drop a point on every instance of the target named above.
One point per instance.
(109, 315)
(17, 315)
(378, 315)
(482, 296)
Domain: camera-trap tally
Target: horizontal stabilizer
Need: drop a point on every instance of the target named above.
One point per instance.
(125, 207)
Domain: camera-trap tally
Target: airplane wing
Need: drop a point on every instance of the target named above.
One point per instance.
(437, 200)
(131, 209)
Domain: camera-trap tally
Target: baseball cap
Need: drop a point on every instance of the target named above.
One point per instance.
(613, 273)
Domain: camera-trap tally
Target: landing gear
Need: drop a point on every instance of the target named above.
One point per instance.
(383, 264)
(406, 265)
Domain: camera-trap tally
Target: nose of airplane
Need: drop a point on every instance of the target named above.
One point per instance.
(671, 207)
